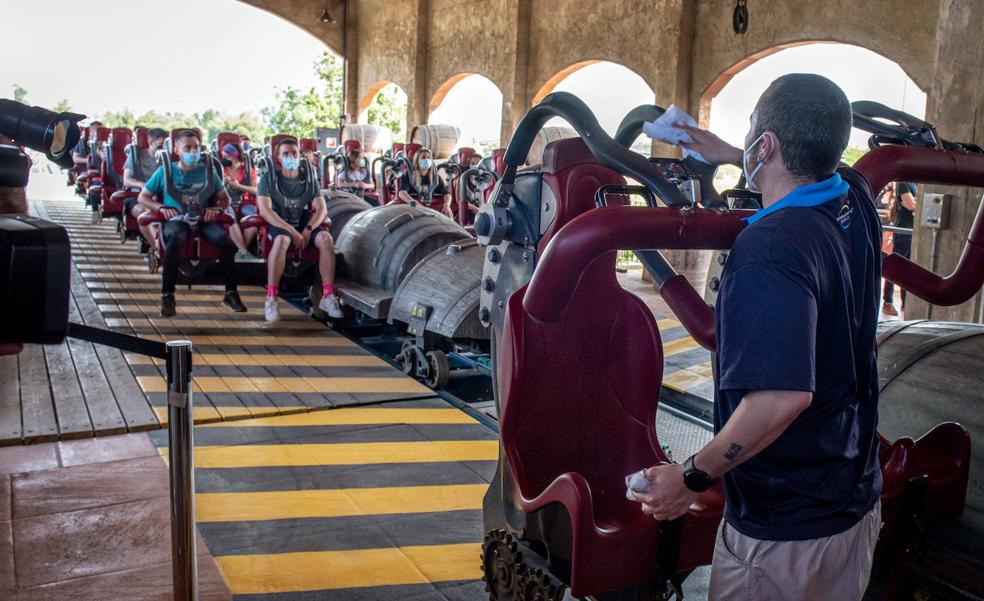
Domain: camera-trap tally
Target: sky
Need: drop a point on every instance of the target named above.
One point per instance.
(208, 52)
(228, 71)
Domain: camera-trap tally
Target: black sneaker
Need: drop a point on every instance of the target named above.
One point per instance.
(168, 305)
(232, 300)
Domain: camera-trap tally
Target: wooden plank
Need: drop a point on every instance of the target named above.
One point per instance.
(38, 421)
(73, 417)
(99, 399)
(133, 404)
(10, 417)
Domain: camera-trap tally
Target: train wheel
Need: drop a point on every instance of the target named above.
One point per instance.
(502, 565)
(408, 358)
(439, 373)
(534, 585)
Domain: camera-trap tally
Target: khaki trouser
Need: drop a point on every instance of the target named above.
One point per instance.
(835, 567)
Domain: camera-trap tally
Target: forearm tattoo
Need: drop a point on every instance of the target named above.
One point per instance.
(732, 453)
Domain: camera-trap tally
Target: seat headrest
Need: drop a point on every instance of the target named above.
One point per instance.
(308, 145)
(228, 137)
(275, 142)
(398, 147)
(351, 146)
(142, 137)
(120, 138)
(101, 133)
(412, 150)
(499, 160)
(463, 155)
(566, 153)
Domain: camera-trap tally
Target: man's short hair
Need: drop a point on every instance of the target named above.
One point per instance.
(811, 117)
(187, 133)
(156, 134)
(287, 142)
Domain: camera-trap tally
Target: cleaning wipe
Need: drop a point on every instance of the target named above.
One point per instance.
(663, 130)
(637, 482)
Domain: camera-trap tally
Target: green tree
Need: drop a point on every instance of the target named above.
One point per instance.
(299, 112)
(62, 106)
(20, 94)
(389, 109)
(851, 155)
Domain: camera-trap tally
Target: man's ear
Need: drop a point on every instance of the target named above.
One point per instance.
(769, 147)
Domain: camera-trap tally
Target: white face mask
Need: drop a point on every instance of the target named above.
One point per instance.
(750, 177)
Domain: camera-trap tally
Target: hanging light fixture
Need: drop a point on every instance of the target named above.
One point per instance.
(325, 15)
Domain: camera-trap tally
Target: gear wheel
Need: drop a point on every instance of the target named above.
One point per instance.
(535, 585)
(502, 565)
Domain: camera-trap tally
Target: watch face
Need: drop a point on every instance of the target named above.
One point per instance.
(697, 481)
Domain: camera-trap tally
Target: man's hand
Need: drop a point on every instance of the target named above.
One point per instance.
(211, 214)
(305, 239)
(668, 498)
(296, 239)
(715, 150)
(168, 213)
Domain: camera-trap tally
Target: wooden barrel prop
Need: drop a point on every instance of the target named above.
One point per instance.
(932, 372)
(441, 140)
(342, 207)
(545, 136)
(379, 247)
(374, 138)
(449, 282)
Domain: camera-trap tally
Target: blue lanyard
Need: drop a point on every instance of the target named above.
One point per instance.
(810, 195)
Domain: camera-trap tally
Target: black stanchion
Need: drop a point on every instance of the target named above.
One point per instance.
(181, 458)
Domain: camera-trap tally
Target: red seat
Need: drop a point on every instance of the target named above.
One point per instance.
(942, 457)
(196, 248)
(236, 140)
(571, 438)
(499, 160)
(113, 193)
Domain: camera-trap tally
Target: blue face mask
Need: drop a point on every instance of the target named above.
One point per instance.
(290, 163)
(190, 158)
(425, 164)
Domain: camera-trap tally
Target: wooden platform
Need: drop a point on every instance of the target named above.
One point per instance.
(243, 367)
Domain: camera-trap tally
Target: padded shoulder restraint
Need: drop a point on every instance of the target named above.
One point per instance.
(293, 206)
(193, 203)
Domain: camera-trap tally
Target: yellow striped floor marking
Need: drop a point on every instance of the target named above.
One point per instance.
(326, 338)
(366, 453)
(295, 504)
(318, 570)
(683, 380)
(681, 345)
(207, 415)
(209, 384)
(668, 324)
(358, 416)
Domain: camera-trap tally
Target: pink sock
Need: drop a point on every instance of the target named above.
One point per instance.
(328, 289)
(273, 291)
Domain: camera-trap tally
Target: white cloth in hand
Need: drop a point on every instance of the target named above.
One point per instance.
(663, 130)
(637, 482)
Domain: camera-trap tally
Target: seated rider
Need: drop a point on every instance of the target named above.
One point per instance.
(294, 209)
(135, 175)
(312, 158)
(80, 154)
(354, 177)
(193, 198)
(238, 181)
(422, 183)
(473, 188)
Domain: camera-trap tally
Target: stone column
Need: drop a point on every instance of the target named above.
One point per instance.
(352, 55)
(417, 100)
(516, 97)
(955, 105)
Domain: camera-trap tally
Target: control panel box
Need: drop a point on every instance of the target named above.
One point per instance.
(935, 210)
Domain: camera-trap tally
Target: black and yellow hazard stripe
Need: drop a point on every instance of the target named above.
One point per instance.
(687, 366)
(369, 503)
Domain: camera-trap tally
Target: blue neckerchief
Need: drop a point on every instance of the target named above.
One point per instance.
(810, 195)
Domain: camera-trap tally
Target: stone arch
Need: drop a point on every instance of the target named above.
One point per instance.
(718, 83)
(374, 89)
(477, 128)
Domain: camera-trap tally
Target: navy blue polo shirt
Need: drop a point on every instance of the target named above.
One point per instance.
(797, 310)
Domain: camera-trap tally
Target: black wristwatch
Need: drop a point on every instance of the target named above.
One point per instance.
(695, 479)
(309, 228)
